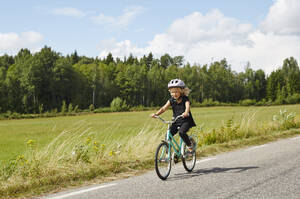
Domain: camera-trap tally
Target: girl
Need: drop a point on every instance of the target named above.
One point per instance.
(181, 106)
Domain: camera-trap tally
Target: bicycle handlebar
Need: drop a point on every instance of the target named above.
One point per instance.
(169, 122)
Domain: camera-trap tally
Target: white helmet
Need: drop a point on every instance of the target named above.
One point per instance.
(176, 83)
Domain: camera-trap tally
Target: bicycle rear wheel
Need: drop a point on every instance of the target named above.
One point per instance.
(189, 158)
(163, 161)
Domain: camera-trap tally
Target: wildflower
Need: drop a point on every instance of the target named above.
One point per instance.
(96, 148)
(30, 143)
(88, 140)
(20, 157)
(112, 153)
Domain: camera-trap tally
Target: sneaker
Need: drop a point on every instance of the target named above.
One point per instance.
(190, 149)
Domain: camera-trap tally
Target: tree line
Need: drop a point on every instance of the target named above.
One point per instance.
(46, 79)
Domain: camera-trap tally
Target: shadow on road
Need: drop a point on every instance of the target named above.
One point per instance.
(209, 171)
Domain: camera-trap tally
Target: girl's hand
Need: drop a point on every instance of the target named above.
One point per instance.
(153, 115)
(185, 114)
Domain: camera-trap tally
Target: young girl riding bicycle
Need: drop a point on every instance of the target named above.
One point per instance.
(181, 106)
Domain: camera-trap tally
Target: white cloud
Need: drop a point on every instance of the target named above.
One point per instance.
(213, 26)
(11, 43)
(267, 51)
(68, 11)
(129, 14)
(213, 36)
(121, 21)
(283, 18)
(102, 19)
(121, 49)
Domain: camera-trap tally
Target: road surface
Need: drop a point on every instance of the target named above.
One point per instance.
(267, 171)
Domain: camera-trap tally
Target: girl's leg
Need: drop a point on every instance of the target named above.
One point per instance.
(182, 132)
(174, 129)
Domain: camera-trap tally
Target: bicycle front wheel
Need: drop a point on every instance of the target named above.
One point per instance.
(189, 158)
(163, 161)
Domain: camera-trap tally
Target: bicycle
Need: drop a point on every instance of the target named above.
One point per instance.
(164, 155)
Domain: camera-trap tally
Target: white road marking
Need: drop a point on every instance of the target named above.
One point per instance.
(82, 191)
(295, 138)
(205, 160)
(256, 147)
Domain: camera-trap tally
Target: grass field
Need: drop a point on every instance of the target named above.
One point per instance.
(40, 155)
(107, 127)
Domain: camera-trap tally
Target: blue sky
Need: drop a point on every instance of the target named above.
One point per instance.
(262, 32)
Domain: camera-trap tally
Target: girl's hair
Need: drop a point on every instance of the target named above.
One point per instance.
(185, 91)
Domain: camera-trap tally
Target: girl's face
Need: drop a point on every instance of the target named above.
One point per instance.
(175, 92)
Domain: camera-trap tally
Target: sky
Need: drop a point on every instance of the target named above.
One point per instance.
(261, 32)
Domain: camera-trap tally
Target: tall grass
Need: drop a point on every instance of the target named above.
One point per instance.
(77, 154)
(80, 153)
(248, 127)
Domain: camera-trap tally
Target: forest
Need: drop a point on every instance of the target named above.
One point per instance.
(47, 80)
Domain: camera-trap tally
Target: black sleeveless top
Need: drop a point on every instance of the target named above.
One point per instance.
(179, 108)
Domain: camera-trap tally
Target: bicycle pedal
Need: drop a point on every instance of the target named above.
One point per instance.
(174, 158)
(164, 160)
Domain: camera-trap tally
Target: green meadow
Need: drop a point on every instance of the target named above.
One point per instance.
(110, 127)
(46, 154)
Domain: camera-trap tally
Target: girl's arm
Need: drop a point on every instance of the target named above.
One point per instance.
(187, 109)
(161, 110)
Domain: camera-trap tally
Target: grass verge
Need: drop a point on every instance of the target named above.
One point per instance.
(120, 170)
(214, 149)
(75, 157)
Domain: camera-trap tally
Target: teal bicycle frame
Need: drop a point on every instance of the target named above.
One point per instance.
(164, 155)
(170, 139)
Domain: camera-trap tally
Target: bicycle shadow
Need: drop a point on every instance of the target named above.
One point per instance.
(207, 171)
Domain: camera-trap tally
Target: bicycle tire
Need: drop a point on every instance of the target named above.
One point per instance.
(189, 160)
(163, 161)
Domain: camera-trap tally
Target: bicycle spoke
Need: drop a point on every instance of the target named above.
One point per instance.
(162, 161)
(189, 159)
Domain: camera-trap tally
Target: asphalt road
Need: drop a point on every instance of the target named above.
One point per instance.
(267, 171)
